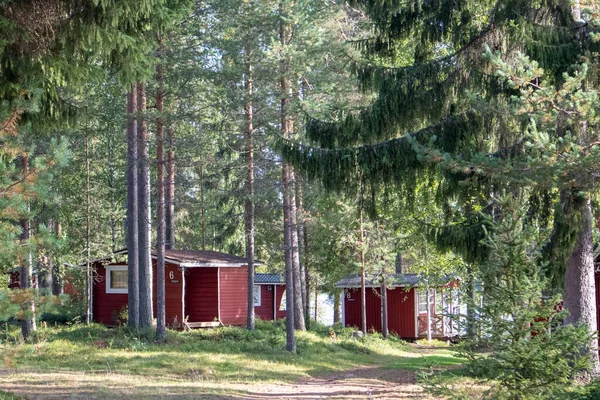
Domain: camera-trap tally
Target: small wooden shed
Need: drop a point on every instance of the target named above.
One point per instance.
(203, 288)
(407, 305)
(268, 295)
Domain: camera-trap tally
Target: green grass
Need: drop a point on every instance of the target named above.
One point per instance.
(8, 396)
(221, 355)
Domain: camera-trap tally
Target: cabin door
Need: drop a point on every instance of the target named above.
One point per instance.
(435, 307)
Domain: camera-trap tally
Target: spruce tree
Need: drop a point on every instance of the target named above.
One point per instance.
(439, 102)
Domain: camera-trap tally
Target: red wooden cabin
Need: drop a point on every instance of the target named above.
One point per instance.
(268, 296)
(407, 305)
(203, 288)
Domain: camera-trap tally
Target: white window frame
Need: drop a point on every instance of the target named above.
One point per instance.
(109, 269)
(257, 295)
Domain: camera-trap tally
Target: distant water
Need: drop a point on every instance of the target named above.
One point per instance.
(325, 315)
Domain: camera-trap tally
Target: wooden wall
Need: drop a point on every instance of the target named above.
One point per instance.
(401, 310)
(234, 300)
(201, 304)
(265, 311)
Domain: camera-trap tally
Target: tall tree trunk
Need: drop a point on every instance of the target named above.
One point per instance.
(302, 250)
(337, 306)
(363, 290)
(170, 190)
(57, 284)
(307, 278)
(384, 307)
(161, 314)
(298, 303)
(25, 273)
(289, 268)
(88, 209)
(202, 208)
(288, 227)
(133, 292)
(471, 325)
(144, 218)
(580, 290)
(249, 220)
(47, 262)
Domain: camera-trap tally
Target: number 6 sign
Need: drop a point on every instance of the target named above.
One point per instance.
(171, 275)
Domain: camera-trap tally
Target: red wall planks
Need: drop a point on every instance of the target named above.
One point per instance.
(173, 294)
(106, 305)
(234, 289)
(201, 294)
(265, 310)
(401, 310)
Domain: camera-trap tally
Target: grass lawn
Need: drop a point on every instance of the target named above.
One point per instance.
(102, 362)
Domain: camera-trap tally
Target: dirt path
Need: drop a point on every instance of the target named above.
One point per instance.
(359, 383)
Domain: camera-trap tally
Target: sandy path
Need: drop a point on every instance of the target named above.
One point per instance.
(359, 383)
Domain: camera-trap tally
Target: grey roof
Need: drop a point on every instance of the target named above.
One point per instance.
(191, 258)
(374, 280)
(268, 279)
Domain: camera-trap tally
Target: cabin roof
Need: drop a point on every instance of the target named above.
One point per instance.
(268, 279)
(392, 280)
(194, 258)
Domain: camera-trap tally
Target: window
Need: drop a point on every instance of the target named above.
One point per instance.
(256, 295)
(423, 300)
(116, 279)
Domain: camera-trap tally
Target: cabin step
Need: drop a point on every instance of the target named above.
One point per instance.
(211, 324)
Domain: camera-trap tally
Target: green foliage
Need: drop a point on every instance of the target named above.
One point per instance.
(521, 348)
(16, 303)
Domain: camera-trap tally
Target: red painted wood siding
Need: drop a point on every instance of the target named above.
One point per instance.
(265, 311)
(401, 310)
(106, 305)
(201, 297)
(173, 294)
(234, 300)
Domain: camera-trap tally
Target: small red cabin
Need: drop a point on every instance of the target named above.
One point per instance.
(203, 288)
(268, 296)
(407, 305)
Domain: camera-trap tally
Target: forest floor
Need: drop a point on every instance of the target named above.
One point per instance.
(230, 363)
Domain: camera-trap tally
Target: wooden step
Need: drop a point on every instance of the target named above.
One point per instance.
(211, 324)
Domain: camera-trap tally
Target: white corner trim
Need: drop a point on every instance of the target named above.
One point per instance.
(110, 268)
